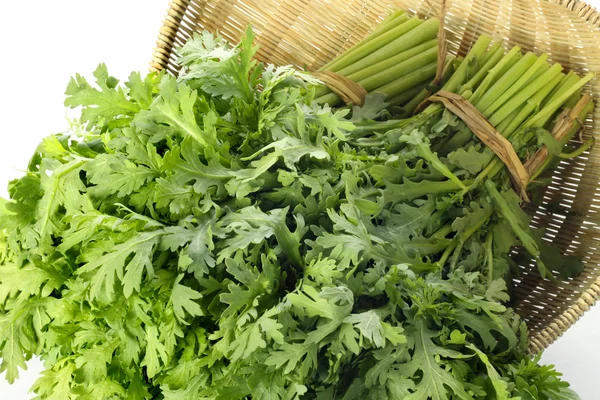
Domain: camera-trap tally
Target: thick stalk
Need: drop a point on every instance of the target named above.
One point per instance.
(529, 91)
(412, 79)
(512, 122)
(498, 70)
(377, 39)
(388, 23)
(417, 100)
(501, 127)
(506, 81)
(483, 71)
(412, 105)
(385, 71)
(576, 126)
(516, 86)
(537, 120)
(540, 119)
(400, 69)
(568, 80)
(424, 32)
(489, 53)
(407, 95)
(476, 52)
(547, 111)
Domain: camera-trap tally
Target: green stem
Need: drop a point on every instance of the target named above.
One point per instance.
(518, 116)
(579, 151)
(506, 81)
(412, 79)
(576, 126)
(490, 52)
(509, 94)
(381, 73)
(447, 253)
(466, 235)
(530, 90)
(476, 52)
(483, 71)
(407, 95)
(378, 38)
(497, 71)
(489, 255)
(504, 210)
(424, 32)
(538, 120)
(412, 105)
(443, 231)
(545, 113)
(386, 71)
(568, 80)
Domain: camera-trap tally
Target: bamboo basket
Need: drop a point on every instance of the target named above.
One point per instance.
(309, 33)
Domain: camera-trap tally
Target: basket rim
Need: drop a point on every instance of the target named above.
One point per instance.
(556, 327)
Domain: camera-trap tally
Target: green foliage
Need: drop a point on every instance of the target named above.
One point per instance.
(219, 236)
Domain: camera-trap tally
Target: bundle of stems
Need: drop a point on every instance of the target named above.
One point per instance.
(520, 95)
(398, 59)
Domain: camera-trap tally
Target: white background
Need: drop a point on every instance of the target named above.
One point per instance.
(46, 42)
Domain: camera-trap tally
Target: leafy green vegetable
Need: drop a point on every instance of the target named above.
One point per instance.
(222, 236)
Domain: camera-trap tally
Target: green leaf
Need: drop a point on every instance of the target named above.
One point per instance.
(421, 143)
(253, 336)
(100, 107)
(471, 160)
(92, 363)
(545, 138)
(29, 280)
(204, 178)
(182, 298)
(126, 263)
(371, 327)
(196, 243)
(116, 175)
(500, 386)
(518, 224)
(292, 150)
(12, 354)
(56, 383)
(472, 216)
(62, 188)
(172, 113)
(252, 226)
(567, 266)
(429, 358)
(373, 107)
(156, 353)
(105, 389)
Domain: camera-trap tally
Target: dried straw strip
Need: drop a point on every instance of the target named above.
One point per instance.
(486, 132)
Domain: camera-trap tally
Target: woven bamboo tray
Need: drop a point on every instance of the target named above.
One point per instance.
(308, 33)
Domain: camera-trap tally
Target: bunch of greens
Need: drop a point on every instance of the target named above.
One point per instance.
(223, 236)
(474, 217)
(398, 59)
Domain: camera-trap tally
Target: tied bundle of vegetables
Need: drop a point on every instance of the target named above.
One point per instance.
(436, 154)
(223, 236)
(398, 59)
